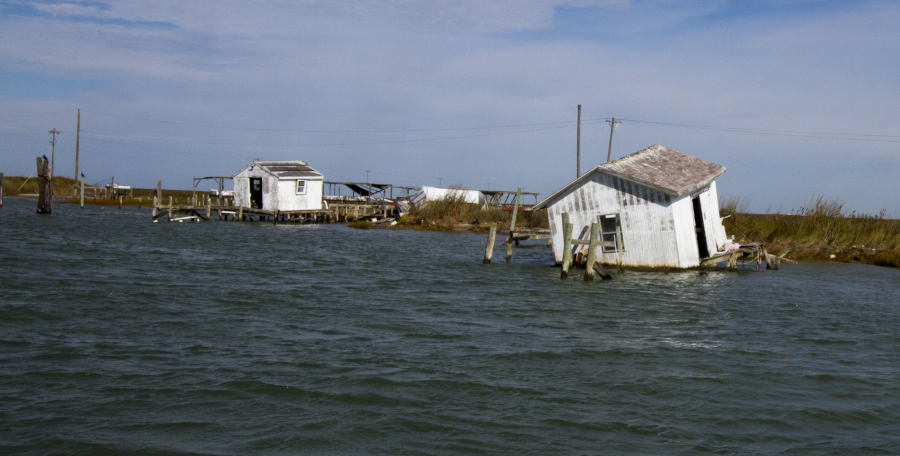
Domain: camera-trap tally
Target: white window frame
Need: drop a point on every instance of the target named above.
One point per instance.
(611, 235)
(297, 185)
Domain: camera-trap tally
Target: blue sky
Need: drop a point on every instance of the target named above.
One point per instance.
(468, 92)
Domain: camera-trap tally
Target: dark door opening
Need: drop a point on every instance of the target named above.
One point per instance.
(256, 196)
(702, 248)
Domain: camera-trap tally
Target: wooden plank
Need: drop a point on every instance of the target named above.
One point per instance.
(489, 248)
(598, 269)
(588, 242)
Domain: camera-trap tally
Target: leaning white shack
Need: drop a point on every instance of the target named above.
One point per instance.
(279, 185)
(663, 202)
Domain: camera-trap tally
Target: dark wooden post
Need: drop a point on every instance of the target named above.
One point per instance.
(45, 193)
(82, 193)
(1, 189)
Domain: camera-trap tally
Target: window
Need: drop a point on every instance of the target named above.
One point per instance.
(608, 224)
(301, 187)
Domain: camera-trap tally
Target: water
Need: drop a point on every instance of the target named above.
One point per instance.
(122, 336)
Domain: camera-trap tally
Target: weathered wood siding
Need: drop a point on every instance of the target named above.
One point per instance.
(278, 194)
(657, 229)
(289, 200)
(645, 215)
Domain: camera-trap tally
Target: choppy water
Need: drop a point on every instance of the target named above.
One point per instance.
(122, 336)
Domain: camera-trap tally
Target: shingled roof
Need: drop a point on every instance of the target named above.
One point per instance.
(657, 167)
(666, 170)
(287, 169)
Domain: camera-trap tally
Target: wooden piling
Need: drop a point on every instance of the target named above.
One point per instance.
(208, 209)
(155, 206)
(567, 246)
(45, 195)
(159, 190)
(170, 208)
(82, 193)
(120, 201)
(620, 246)
(240, 214)
(512, 225)
(489, 248)
(1, 189)
(592, 253)
(598, 269)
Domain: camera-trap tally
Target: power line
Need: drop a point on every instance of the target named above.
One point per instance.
(423, 130)
(41, 114)
(803, 134)
(365, 143)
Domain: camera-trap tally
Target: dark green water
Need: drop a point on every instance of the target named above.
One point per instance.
(118, 336)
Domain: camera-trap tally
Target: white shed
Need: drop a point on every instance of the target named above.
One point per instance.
(663, 202)
(279, 185)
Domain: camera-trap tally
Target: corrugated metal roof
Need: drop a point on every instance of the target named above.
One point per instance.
(294, 168)
(669, 171)
(657, 167)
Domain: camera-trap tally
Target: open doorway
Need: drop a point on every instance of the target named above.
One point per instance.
(699, 228)
(256, 193)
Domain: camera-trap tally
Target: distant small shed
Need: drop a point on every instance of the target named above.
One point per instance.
(664, 204)
(279, 185)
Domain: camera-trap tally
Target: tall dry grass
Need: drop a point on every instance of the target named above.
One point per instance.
(818, 230)
(454, 212)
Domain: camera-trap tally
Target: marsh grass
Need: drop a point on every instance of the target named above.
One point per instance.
(818, 230)
(454, 212)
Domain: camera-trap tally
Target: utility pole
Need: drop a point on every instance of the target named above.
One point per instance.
(77, 135)
(52, 149)
(578, 146)
(612, 127)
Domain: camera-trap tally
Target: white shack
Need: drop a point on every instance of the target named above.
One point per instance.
(279, 185)
(664, 204)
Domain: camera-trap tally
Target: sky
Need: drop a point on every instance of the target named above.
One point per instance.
(795, 98)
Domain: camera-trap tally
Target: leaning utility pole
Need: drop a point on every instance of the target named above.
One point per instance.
(578, 146)
(77, 135)
(52, 148)
(612, 127)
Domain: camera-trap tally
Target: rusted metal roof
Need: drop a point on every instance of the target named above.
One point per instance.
(666, 170)
(287, 169)
(657, 167)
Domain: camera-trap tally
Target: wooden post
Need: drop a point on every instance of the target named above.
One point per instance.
(567, 247)
(170, 207)
(45, 195)
(592, 253)
(155, 207)
(1, 189)
(512, 225)
(578, 151)
(240, 213)
(159, 190)
(489, 248)
(208, 209)
(82, 193)
(619, 246)
(275, 219)
(120, 201)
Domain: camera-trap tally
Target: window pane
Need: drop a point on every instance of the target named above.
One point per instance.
(301, 186)
(607, 224)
